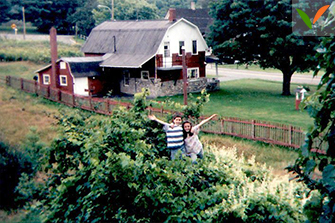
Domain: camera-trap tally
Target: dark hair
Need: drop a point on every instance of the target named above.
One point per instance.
(184, 132)
(176, 115)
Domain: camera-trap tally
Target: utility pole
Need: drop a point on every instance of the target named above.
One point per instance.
(112, 10)
(184, 76)
(24, 23)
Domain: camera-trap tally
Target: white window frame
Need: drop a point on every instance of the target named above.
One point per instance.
(62, 65)
(143, 76)
(44, 79)
(60, 80)
(196, 47)
(189, 70)
(180, 49)
(167, 49)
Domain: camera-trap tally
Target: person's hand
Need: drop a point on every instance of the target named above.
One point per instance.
(214, 115)
(172, 125)
(152, 117)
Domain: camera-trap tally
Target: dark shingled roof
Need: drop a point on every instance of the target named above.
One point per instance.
(136, 41)
(84, 66)
(199, 17)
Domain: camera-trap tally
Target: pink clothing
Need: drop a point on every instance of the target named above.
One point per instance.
(192, 143)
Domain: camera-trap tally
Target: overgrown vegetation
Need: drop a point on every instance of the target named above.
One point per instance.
(117, 169)
(318, 170)
(34, 51)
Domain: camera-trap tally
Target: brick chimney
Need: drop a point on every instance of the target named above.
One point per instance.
(193, 5)
(172, 14)
(54, 57)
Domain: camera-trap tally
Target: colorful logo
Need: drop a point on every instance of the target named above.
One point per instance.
(307, 20)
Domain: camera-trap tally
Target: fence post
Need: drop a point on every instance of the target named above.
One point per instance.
(35, 85)
(59, 95)
(90, 100)
(253, 129)
(107, 106)
(290, 135)
(222, 125)
(48, 91)
(73, 100)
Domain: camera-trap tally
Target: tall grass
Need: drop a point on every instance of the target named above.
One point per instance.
(34, 51)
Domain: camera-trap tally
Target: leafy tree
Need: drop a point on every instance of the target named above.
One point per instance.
(261, 31)
(315, 166)
(83, 17)
(45, 14)
(116, 169)
(125, 10)
(13, 164)
(4, 11)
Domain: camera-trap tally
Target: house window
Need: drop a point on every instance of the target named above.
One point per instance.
(63, 80)
(46, 79)
(192, 73)
(181, 44)
(126, 78)
(145, 75)
(166, 49)
(62, 65)
(194, 47)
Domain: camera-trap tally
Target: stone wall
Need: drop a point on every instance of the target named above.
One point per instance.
(168, 88)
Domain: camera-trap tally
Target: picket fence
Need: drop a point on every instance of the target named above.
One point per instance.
(278, 134)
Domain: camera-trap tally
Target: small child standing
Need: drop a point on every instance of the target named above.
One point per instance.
(174, 134)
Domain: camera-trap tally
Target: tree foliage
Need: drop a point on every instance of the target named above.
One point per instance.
(47, 14)
(117, 169)
(314, 168)
(125, 10)
(4, 11)
(261, 32)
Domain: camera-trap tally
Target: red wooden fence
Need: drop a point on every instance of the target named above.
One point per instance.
(278, 134)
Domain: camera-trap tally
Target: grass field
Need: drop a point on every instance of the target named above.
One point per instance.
(254, 99)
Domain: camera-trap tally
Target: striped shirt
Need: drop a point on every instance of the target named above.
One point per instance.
(174, 136)
(192, 143)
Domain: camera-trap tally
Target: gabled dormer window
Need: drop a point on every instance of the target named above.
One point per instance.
(62, 65)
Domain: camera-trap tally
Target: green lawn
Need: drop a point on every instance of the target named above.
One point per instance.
(255, 99)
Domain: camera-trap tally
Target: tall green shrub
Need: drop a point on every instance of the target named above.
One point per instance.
(13, 164)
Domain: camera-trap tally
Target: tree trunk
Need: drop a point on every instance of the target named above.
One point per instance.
(287, 82)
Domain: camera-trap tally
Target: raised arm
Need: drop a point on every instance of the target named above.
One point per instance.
(154, 118)
(206, 120)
